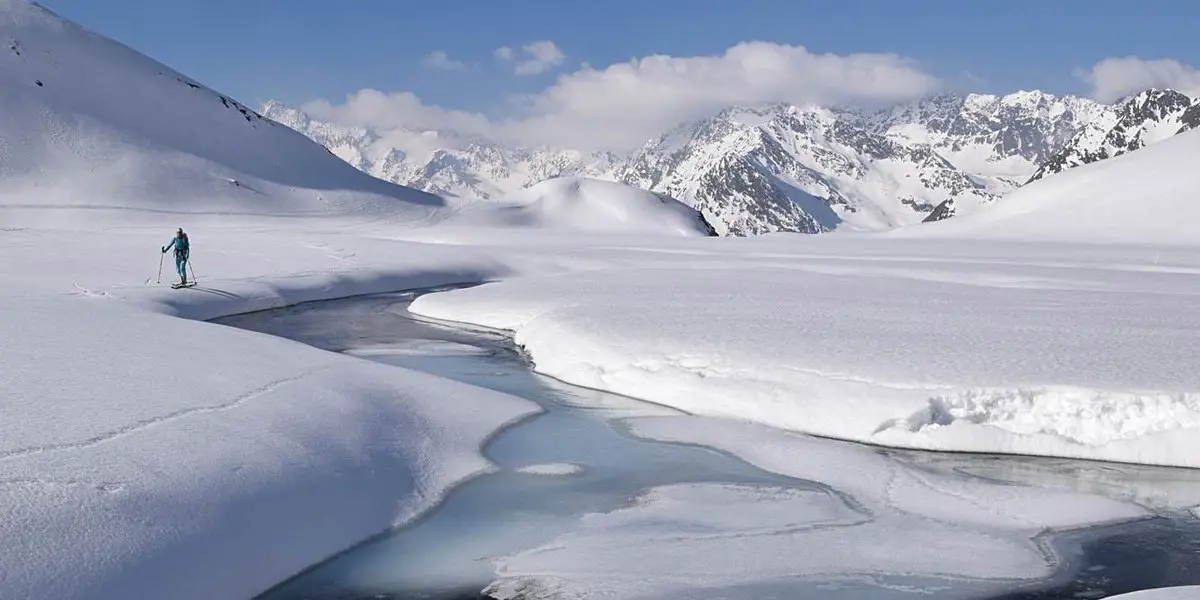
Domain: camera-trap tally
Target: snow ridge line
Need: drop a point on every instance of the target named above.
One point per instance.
(140, 425)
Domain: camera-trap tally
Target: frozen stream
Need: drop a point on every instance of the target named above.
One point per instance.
(768, 535)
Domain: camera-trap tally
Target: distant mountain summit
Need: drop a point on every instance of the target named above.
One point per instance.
(757, 169)
(1128, 125)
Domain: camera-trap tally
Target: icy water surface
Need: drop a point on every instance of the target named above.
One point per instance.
(576, 458)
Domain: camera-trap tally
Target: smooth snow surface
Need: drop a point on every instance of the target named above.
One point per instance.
(590, 205)
(137, 446)
(1144, 197)
(91, 123)
(1074, 358)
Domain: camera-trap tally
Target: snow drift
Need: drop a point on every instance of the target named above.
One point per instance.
(1143, 197)
(591, 205)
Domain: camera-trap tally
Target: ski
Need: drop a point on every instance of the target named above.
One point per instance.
(183, 285)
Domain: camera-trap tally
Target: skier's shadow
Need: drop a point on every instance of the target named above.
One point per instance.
(222, 293)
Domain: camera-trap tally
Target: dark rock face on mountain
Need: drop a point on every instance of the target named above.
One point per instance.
(1131, 124)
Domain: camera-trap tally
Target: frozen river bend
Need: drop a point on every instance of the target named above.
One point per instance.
(603, 496)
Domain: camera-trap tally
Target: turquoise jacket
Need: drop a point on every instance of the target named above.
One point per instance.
(181, 246)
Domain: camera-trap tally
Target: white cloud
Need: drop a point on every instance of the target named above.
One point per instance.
(623, 105)
(1114, 78)
(438, 59)
(539, 57)
(376, 110)
(623, 102)
(545, 55)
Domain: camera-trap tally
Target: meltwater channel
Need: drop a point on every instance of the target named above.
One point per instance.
(576, 457)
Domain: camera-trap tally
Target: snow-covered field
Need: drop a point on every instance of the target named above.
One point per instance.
(137, 447)
(1065, 351)
(147, 438)
(149, 441)
(147, 455)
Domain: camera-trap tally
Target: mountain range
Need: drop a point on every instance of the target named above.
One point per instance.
(781, 167)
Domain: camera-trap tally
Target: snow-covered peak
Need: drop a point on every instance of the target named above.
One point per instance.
(1001, 139)
(752, 116)
(1137, 121)
(784, 167)
(979, 101)
(1029, 100)
(444, 162)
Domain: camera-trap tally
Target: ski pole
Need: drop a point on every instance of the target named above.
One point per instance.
(161, 255)
(189, 266)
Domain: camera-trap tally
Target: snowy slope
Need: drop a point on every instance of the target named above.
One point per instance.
(589, 205)
(91, 123)
(1136, 122)
(1146, 197)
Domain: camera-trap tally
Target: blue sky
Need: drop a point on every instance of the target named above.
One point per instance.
(302, 50)
(297, 50)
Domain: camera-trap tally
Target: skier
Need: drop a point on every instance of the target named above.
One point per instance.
(182, 248)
